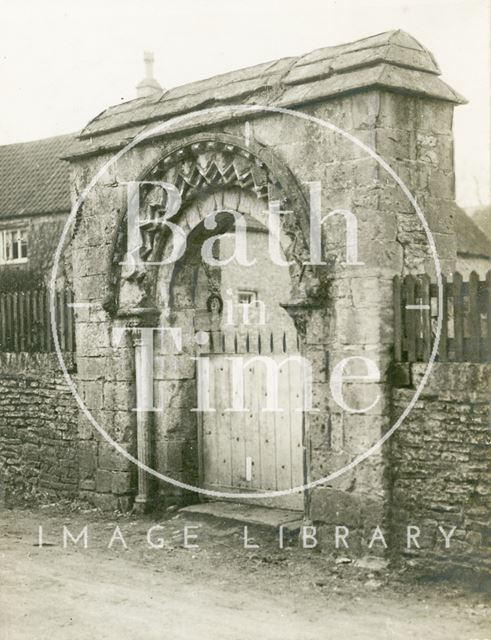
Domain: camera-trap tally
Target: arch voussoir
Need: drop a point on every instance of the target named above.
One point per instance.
(215, 166)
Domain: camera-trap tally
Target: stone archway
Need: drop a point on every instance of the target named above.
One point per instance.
(211, 173)
(218, 164)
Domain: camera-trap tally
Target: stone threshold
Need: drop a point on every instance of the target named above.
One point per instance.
(247, 514)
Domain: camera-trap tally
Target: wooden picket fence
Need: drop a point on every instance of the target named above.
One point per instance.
(466, 319)
(25, 321)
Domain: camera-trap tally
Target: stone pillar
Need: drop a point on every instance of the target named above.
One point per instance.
(144, 418)
(143, 353)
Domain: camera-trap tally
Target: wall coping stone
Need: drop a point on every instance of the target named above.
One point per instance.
(14, 364)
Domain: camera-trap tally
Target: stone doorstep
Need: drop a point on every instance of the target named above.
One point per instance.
(247, 514)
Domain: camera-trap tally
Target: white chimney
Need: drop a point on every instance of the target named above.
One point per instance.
(148, 86)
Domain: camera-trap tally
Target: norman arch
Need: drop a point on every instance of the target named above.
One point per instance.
(217, 176)
(226, 168)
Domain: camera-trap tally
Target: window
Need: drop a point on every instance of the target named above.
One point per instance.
(246, 297)
(13, 246)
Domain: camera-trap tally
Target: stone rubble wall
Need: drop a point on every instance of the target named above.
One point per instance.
(441, 468)
(38, 430)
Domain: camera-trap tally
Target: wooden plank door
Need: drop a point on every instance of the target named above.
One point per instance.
(253, 450)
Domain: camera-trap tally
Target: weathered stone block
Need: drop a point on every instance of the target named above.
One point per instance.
(103, 481)
(85, 428)
(90, 368)
(92, 394)
(87, 485)
(92, 339)
(87, 459)
(123, 425)
(103, 501)
(121, 482)
(335, 507)
(110, 459)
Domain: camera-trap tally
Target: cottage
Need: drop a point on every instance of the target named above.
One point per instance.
(34, 205)
(473, 245)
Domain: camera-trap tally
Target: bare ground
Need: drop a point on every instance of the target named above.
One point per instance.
(219, 591)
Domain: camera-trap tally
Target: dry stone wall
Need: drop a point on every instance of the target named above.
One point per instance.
(38, 430)
(441, 469)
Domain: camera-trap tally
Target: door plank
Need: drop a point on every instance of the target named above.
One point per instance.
(283, 425)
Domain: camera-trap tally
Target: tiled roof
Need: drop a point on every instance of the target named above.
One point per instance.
(471, 239)
(482, 217)
(393, 60)
(33, 177)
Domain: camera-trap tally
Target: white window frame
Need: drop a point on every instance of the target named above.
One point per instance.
(247, 292)
(10, 238)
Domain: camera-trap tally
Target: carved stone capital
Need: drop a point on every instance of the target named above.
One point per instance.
(301, 313)
(137, 318)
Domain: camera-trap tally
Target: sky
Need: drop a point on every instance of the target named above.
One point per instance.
(64, 61)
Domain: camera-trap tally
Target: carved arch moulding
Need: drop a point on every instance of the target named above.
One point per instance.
(206, 164)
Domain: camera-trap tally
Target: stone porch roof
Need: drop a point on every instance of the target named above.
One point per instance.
(393, 60)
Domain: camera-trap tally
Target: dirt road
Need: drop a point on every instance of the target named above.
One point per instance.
(218, 591)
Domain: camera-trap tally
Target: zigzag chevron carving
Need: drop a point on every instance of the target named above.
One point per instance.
(201, 167)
